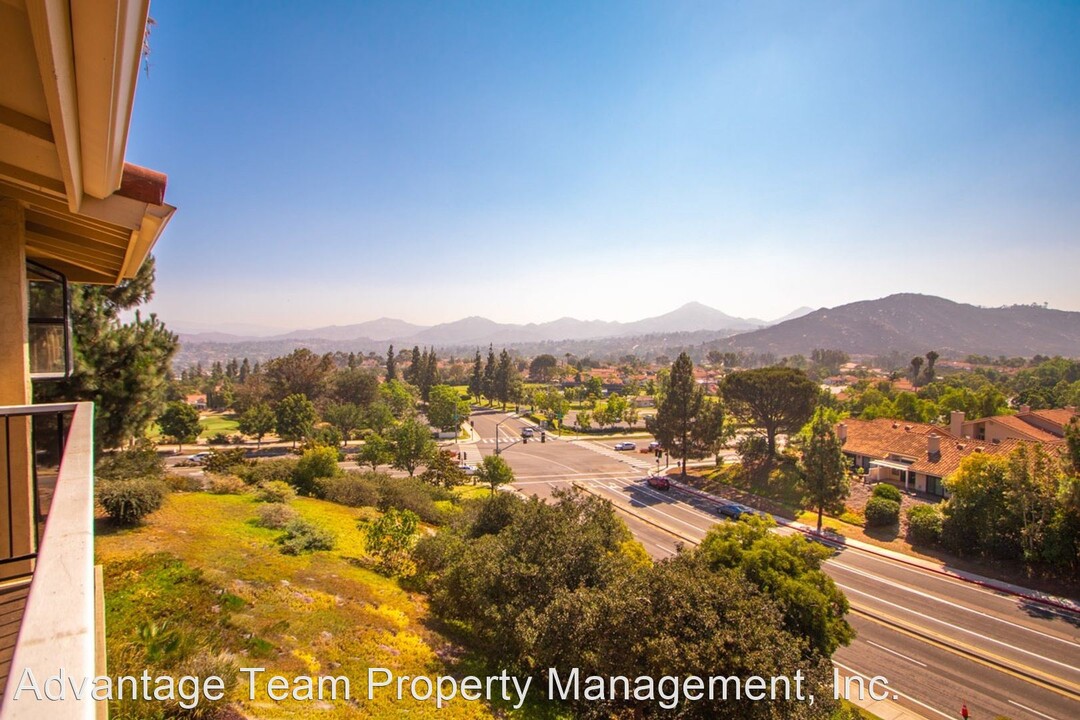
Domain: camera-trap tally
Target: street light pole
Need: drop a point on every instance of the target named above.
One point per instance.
(511, 415)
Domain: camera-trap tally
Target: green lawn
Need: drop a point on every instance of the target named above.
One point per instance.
(215, 423)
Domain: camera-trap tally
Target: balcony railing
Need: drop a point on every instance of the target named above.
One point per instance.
(46, 557)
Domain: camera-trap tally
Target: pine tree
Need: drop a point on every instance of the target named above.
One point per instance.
(673, 424)
(824, 472)
(124, 368)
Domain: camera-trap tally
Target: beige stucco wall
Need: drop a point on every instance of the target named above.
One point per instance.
(14, 390)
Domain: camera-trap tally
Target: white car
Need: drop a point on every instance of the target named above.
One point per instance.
(199, 458)
(625, 446)
(468, 469)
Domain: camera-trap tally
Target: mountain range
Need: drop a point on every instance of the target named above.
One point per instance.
(477, 330)
(908, 322)
(902, 323)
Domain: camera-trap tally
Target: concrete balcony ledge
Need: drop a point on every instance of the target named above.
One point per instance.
(59, 629)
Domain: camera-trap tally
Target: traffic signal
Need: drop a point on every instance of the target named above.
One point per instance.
(543, 437)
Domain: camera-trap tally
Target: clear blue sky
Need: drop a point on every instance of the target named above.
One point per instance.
(338, 162)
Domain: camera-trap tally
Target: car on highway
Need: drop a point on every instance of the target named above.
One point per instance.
(527, 432)
(736, 510)
(659, 482)
(625, 446)
(199, 458)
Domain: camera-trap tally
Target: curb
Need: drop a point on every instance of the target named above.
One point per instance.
(1060, 604)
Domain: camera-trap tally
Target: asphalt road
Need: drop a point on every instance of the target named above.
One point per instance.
(939, 641)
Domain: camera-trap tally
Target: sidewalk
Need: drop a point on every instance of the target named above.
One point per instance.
(837, 540)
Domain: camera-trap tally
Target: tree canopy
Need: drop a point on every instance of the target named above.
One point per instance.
(775, 399)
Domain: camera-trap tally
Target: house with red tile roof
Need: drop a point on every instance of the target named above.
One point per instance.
(1046, 426)
(915, 456)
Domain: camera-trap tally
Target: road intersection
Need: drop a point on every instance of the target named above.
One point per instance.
(941, 641)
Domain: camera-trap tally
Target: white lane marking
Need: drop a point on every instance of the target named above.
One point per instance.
(957, 627)
(661, 512)
(573, 474)
(895, 691)
(1031, 710)
(959, 582)
(890, 650)
(928, 596)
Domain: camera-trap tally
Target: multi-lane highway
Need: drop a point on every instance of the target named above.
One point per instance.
(940, 641)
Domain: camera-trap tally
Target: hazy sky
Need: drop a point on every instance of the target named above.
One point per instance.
(338, 162)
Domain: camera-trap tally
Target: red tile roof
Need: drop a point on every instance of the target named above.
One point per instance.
(883, 438)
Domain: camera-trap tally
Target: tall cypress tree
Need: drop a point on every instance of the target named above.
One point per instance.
(391, 365)
(476, 381)
(489, 375)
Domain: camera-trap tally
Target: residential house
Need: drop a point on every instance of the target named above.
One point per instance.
(71, 211)
(1034, 425)
(915, 456)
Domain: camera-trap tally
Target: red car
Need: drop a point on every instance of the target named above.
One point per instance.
(659, 482)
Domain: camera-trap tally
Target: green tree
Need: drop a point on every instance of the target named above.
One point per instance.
(412, 445)
(476, 379)
(180, 422)
(788, 569)
(346, 417)
(375, 451)
(379, 417)
(916, 367)
(823, 470)
(446, 408)
(400, 397)
(354, 385)
(443, 470)
(505, 379)
(390, 538)
(931, 360)
(391, 365)
(673, 424)
(1072, 443)
(488, 380)
(776, 399)
(494, 471)
(315, 464)
(257, 421)
(295, 418)
(542, 368)
(123, 367)
(301, 372)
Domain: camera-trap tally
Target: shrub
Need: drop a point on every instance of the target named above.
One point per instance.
(924, 524)
(281, 469)
(183, 483)
(352, 489)
(318, 462)
(889, 492)
(275, 491)
(141, 461)
(276, 516)
(412, 494)
(225, 485)
(327, 435)
(881, 512)
(130, 500)
(227, 461)
(302, 536)
(218, 439)
(753, 449)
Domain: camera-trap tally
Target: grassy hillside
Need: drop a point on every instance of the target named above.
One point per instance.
(200, 573)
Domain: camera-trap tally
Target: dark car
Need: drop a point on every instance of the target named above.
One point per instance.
(736, 510)
(659, 482)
